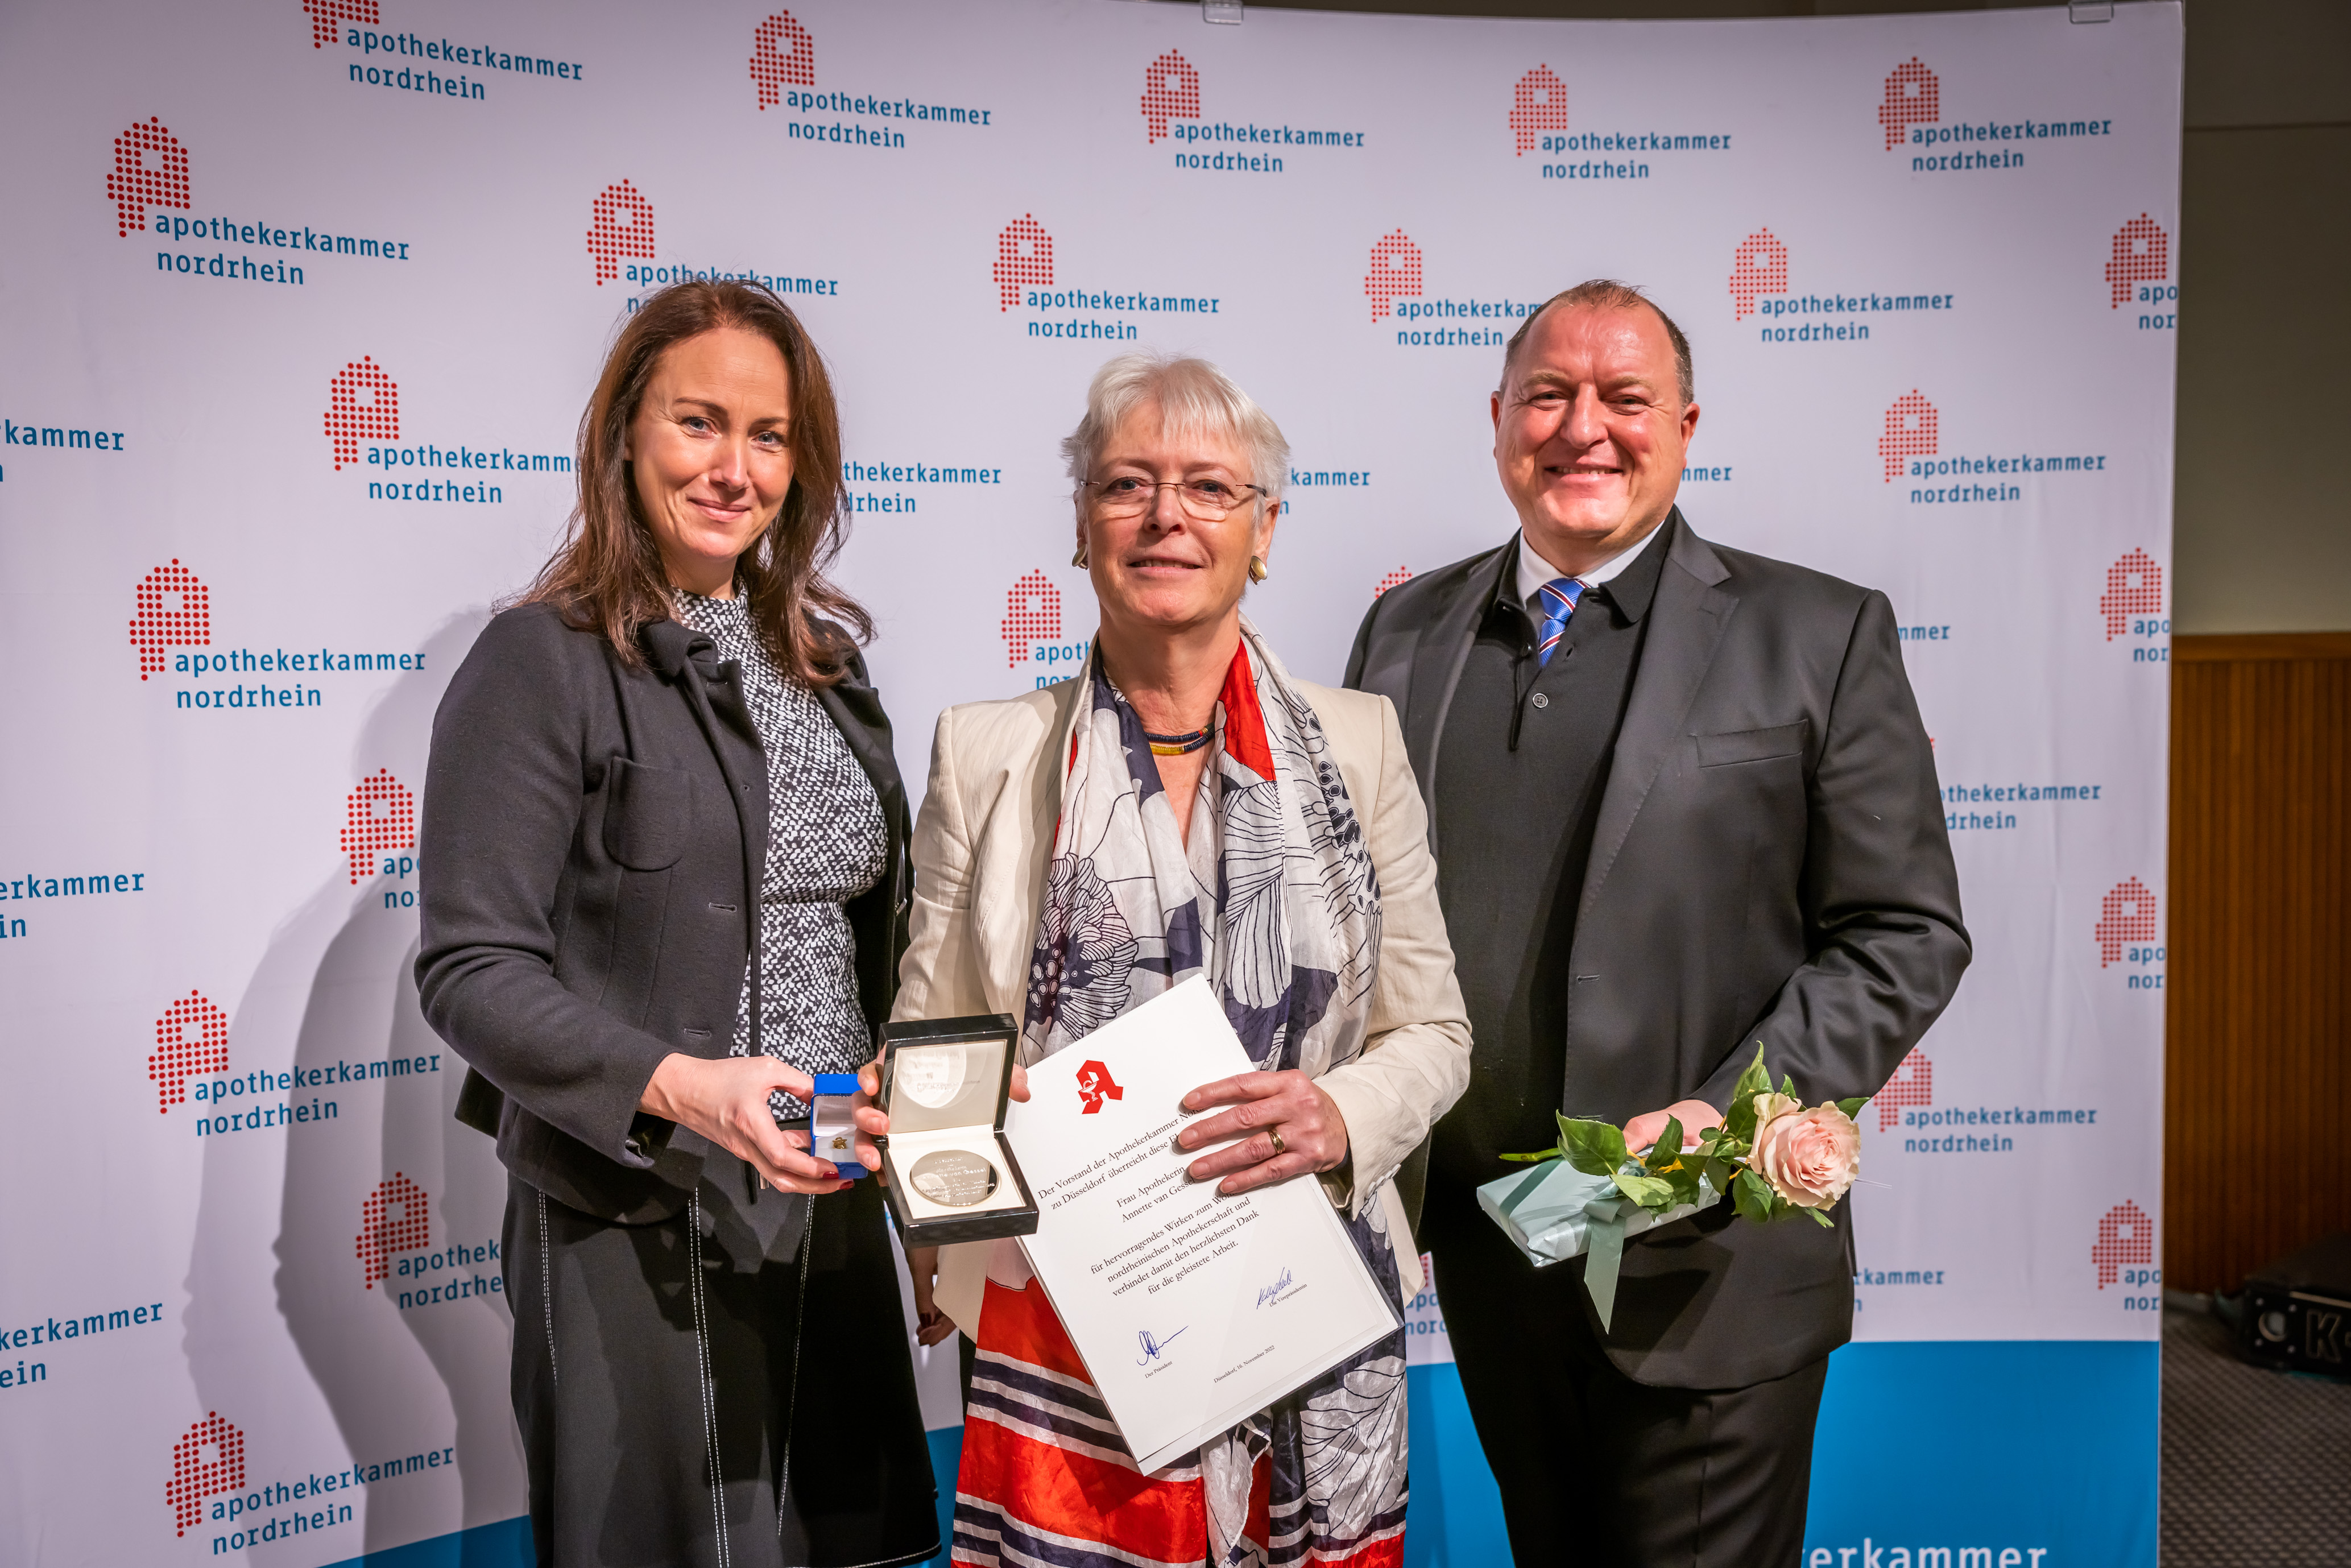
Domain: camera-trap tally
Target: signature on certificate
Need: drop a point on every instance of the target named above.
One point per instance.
(1152, 1347)
(1274, 1291)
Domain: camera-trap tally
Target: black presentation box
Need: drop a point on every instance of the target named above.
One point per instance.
(945, 1086)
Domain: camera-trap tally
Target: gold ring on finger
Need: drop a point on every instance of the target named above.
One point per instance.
(1280, 1148)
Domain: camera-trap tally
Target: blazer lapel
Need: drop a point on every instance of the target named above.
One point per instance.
(1686, 621)
(856, 710)
(1012, 850)
(1442, 649)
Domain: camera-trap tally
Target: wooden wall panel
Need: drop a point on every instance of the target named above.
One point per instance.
(2257, 1101)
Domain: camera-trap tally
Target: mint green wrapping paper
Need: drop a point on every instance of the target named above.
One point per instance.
(1554, 1212)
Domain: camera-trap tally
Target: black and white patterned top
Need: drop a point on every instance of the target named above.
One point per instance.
(826, 844)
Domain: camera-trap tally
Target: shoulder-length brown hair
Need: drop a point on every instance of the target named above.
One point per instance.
(607, 575)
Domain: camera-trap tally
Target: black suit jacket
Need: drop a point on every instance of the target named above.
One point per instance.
(1769, 864)
(589, 863)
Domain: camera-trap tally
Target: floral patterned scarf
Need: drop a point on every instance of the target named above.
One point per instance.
(1275, 900)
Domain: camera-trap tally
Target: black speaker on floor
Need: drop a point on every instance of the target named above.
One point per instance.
(2295, 1312)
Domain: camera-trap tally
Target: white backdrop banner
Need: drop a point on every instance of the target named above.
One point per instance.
(310, 294)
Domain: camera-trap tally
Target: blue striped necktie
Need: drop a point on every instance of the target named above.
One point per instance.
(1556, 600)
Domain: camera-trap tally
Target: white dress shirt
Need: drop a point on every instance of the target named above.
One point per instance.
(1534, 571)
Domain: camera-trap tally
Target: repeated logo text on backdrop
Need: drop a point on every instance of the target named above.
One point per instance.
(1911, 114)
(1760, 273)
(1023, 273)
(1031, 629)
(406, 64)
(1172, 110)
(150, 181)
(172, 613)
(2132, 606)
(783, 73)
(363, 414)
(1912, 444)
(2138, 272)
(1394, 284)
(209, 1483)
(1537, 122)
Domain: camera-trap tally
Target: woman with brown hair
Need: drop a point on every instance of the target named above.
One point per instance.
(665, 877)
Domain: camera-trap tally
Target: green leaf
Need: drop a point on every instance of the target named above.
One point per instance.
(1529, 1159)
(1718, 1175)
(1822, 1220)
(1669, 1146)
(1596, 1148)
(1651, 1193)
(1683, 1177)
(1788, 1086)
(1753, 1197)
(1755, 1079)
(1853, 1107)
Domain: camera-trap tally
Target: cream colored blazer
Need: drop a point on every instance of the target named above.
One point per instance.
(981, 843)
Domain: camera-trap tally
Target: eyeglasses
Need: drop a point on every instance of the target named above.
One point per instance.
(1203, 500)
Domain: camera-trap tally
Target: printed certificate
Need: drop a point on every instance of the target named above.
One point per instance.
(1192, 1311)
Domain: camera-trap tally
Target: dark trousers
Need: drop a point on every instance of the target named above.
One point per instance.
(1597, 1470)
(704, 1391)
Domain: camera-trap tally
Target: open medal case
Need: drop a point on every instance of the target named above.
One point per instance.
(944, 1085)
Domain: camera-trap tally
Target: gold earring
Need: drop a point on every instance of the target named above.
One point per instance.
(1257, 572)
(1079, 557)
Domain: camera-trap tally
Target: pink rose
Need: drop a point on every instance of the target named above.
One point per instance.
(1809, 1157)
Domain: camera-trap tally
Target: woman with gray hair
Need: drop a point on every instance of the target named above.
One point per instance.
(1184, 806)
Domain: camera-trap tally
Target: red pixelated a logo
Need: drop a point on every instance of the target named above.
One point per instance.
(190, 1039)
(2126, 1240)
(1095, 1086)
(1024, 256)
(174, 610)
(1913, 97)
(1909, 433)
(2128, 916)
(782, 55)
(195, 1477)
(1539, 103)
(379, 816)
(2133, 587)
(150, 169)
(1759, 267)
(1401, 575)
(363, 404)
(1171, 90)
(1032, 614)
(620, 224)
(1912, 1083)
(2142, 255)
(1395, 274)
(396, 1218)
(325, 14)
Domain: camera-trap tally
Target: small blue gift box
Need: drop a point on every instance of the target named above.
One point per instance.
(1553, 1212)
(832, 1123)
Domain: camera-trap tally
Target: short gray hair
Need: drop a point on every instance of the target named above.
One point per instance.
(1195, 397)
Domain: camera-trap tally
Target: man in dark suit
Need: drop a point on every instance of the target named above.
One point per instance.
(1681, 802)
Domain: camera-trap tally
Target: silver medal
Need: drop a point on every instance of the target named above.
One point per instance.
(954, 1178)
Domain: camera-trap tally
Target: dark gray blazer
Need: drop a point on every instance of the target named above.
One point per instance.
(1768, 864)
(589, 863)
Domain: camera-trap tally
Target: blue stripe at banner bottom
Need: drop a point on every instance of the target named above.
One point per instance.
(2029, 1454)
(1966, 1454)
(506, 1544)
